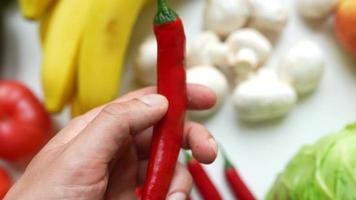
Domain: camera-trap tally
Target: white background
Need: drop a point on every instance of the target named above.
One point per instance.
(259, 151)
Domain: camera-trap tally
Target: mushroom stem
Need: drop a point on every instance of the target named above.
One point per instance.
(246, 58)
(243, 63)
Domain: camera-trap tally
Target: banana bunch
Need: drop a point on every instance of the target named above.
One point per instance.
(84, 44)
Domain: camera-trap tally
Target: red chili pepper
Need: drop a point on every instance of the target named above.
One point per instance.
(205, 186)
(239, 188)
(168, 133)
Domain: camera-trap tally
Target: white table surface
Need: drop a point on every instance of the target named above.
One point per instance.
(259, 151)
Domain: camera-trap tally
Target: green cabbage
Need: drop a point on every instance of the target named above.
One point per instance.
(323, 171)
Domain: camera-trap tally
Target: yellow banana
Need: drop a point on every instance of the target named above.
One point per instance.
(61, 47)
(35, 9)
(103, 49)
(44, 23)
(75, 109)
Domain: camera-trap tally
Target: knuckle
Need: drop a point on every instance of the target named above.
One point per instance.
(114, 110)
(120, 113)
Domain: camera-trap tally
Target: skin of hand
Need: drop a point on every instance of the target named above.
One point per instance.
(103, 154)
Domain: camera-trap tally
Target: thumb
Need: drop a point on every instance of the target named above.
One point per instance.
(115, 124)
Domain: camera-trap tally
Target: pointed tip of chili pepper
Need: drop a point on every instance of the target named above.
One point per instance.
(188, 157)
(227, 162)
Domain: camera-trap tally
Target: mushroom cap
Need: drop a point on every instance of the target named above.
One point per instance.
(268, 16)
(316, 9)
(225, 16)
(206, 49)
(303, 67)
(250, 39)
(263, 97)
(212, 78)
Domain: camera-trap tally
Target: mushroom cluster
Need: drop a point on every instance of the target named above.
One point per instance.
(232, 53)
(316, 9)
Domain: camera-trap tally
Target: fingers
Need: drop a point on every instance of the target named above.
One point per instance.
(103, 137)
(201, 142)
(181, 184)
(199, 97)
(196, 137)
(122, 181)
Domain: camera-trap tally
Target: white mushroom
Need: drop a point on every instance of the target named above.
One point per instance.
(243, 64)
(263, 97)
(248, 50)
(212, 78)
(268, 16)
(145, 63)
(303, 67)
(316, 9)
(207, 49)
(225, 16)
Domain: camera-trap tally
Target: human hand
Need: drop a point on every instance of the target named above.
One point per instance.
(103, 154)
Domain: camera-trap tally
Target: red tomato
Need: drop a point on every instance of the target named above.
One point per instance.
(25, 126)
(5, 183)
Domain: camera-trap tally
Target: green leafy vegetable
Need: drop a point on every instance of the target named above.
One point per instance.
(325, 170)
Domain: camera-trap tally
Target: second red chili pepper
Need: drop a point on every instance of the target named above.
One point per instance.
(168, 133)
(239, 188)
(201, 179)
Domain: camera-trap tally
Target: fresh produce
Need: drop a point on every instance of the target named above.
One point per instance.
(268, 16)
(241, 191)
(61, 47)
(303, 67)
(5, 182)
(324, 170)
(242, 64)
(212, 78)
(146, 62)
(263, 97)
(103, 49)
(316, 9)
(35, 9)
(168, 133)
(82, 55)
(207, 49)
(248, 50)
(345, 25)
(201, 180)
(250, 39)
(225, 16)
(24, 124)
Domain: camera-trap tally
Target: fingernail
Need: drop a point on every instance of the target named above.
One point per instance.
(177, 196)
(153, 100)
(213, 145)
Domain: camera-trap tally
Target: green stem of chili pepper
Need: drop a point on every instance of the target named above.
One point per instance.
(164, 14)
